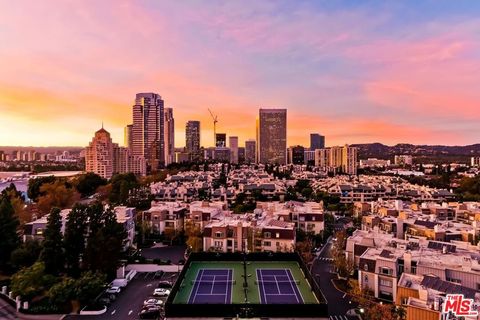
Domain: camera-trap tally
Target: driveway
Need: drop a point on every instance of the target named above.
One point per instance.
(338, 302)
(172, 253)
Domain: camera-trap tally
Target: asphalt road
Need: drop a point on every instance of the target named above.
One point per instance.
(338, 303)
(7, 312)
(172, 253)
(130, 301)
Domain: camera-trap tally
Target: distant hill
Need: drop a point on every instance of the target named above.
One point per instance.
(379, 150)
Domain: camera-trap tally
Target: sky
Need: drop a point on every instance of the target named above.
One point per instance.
(354, 71)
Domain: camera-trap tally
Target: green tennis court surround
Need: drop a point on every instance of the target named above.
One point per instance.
(234, 284)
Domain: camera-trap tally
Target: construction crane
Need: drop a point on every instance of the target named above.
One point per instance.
(215, 120)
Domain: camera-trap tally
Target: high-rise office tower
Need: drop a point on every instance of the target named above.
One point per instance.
(128, 137)
(233, 145)
(317, 141)
(192, 139)
(148, 134)
(169, 136)
(272, 136)
(221, 140)
(250, 151)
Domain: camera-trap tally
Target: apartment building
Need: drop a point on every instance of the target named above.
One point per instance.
(165, 217)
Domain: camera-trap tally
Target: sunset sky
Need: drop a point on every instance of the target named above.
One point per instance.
(355, 71)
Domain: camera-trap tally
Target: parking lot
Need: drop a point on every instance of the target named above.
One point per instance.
(129, 302)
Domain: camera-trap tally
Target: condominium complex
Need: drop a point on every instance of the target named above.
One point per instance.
(296, 155)
(272, 136)
(337, 159)
(106, 158)
(148, 132)
(403, 160)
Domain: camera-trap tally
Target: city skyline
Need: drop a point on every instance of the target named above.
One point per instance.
(357, 73)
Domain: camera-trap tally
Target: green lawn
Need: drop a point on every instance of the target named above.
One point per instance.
(238, 293)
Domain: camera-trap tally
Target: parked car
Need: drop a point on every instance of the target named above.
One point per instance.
(150, 313)
(161, 292)
(152, 302)
(165, 284)
(113, 290)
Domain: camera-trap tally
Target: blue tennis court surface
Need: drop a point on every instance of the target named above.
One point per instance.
(212, 286)
(277, 286)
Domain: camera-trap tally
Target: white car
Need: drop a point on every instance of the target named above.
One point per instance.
(113, 290)
(152, 303)
(161, 292)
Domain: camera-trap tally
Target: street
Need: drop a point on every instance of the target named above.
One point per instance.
(6, 310)
(338, 302)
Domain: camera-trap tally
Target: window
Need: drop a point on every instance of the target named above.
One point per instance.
(229, 243)
(267, 243)
(478, 286)
(267, 235)
(386, 271)
(278, 235)
(218, 234)
(386, 283)
(454, 280)
(218, 244)
(365, 267)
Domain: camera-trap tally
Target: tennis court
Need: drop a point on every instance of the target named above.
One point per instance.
(212, 286)
(277, 286)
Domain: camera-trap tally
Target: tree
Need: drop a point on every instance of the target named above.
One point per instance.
(9, 239)
(32, 281)
(34, 185)
(194, 236)
(61, 293)
(89, 286)
(26, 254)
(105, 245)
(74, 243)
(121, 186)
(52, 253)
(88, 183)
(56, 194)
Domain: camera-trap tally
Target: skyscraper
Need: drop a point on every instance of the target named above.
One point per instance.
(272, 136)
(128, 137)
(192, 139)
(250, 151)
(148, 134)
(317, 141)
(169, 136)
(233, 145)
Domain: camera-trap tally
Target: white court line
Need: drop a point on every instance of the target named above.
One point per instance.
(199, 272)
(260, 278)
(213, 285)
(290, 276)
(276, 283)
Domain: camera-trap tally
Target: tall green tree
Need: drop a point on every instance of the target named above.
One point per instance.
(88, 183)
(26, 254)
(74, 243)
(9, 239)
(52, 254)
(105, 245)
(35, 184)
